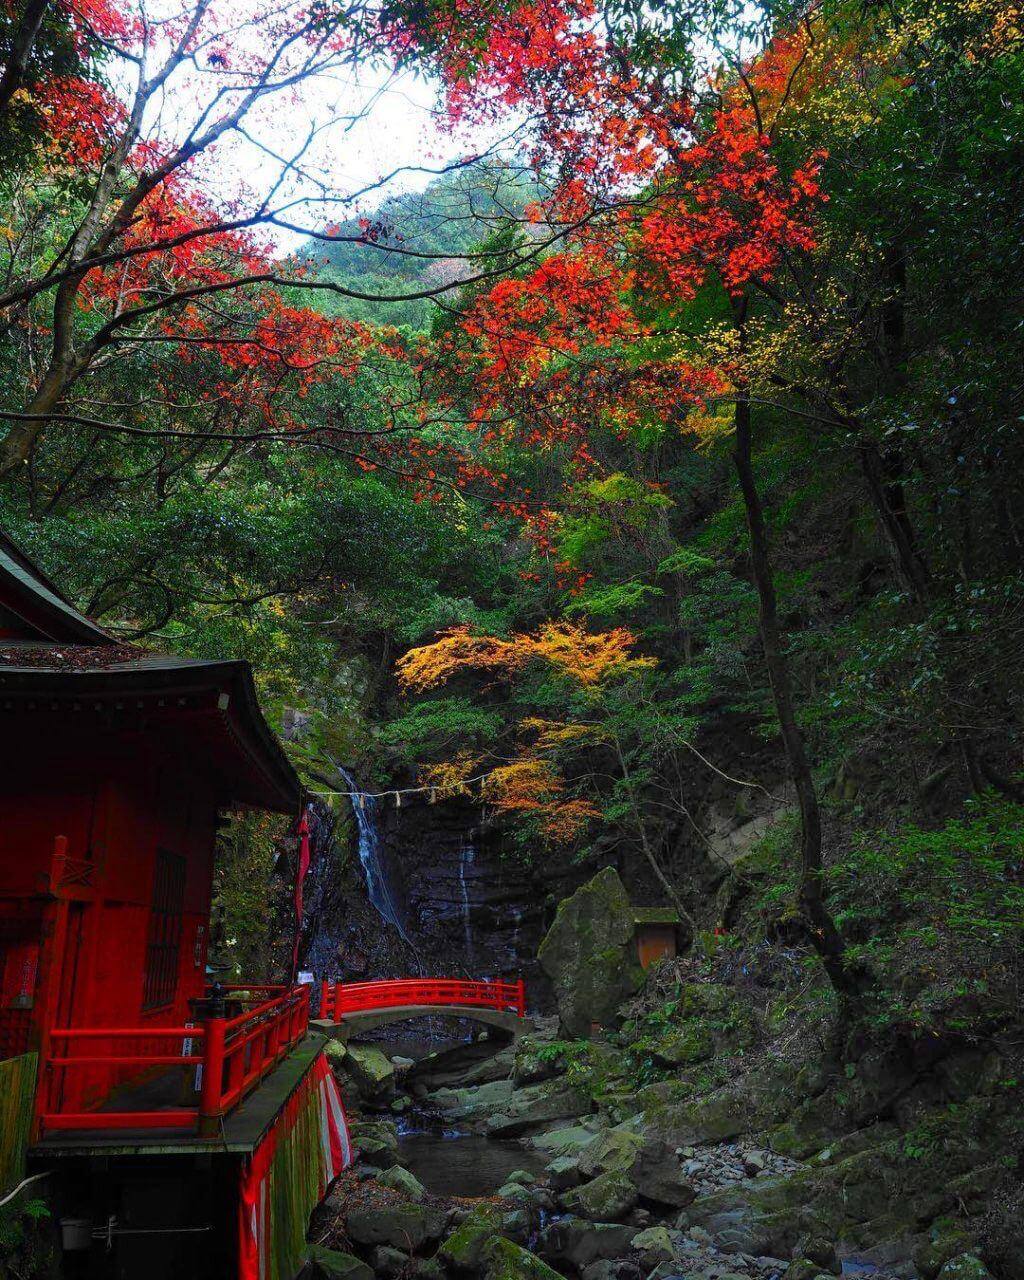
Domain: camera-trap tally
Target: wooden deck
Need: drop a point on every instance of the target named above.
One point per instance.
(240, 1132)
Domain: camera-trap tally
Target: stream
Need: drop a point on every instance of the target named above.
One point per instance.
(454, 1162)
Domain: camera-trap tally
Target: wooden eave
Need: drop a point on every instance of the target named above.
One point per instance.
(188, 698)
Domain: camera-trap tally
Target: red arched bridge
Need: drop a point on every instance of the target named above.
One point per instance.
(363, 1005)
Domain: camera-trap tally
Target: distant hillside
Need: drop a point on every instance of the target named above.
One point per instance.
(451, 217)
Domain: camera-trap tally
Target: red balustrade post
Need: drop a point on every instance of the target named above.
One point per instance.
(213, 1071)
(521, 998)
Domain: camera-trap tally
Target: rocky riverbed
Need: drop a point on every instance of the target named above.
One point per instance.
(700, 1133)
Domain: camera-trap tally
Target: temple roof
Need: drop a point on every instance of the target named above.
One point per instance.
(208, 708)
(32, 607)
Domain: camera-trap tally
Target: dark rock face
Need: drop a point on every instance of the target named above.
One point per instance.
(465, 910)
(469, 911)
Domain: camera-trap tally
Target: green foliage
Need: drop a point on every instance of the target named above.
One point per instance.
(246, 924)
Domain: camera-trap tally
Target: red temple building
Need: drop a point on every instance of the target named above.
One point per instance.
(182, 1132)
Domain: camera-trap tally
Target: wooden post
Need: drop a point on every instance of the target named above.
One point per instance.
(521, 998)
(51, 965)
(214, 1031)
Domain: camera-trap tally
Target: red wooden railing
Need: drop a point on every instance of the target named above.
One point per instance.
(340, 998)
(235, 1054)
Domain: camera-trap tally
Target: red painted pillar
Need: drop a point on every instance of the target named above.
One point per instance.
(213, 1072)
(521, 998)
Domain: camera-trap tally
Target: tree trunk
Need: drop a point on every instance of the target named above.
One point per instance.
(823, 931)
(13, 76)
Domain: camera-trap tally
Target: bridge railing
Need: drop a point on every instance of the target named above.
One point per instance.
(340, 998)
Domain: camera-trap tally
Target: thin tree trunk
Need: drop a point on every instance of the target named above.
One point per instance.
(13, 76)
(823, 931)
(645, 843)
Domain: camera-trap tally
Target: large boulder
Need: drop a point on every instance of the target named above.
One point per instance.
(608, 1198)
(616, 1148)
(968, 1266)
(538, 1104)
(579, 1242)
(402, 1226)
(590, 954)
(376, 1141)
(504, 1260)
(330, 1264)
(404, 1182)
(372, 1070)
(464, 1248)
(658, 1176)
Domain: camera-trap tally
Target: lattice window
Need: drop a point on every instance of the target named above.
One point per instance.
(163, 947)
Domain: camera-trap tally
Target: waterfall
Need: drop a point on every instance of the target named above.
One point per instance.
(466, 856)
(378, 883)
(517, 925)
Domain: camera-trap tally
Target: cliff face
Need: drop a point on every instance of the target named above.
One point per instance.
(464, 909)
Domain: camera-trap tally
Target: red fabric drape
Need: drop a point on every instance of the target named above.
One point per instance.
(256, 1225)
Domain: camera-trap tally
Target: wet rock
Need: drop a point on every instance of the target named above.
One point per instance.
(504, 1260)
(372, 1071)
(657, 1175)
(942, 1244)
(536, 1105)
(654, 1245)
(820, 1251)
(518, 1225)
(330, 1264)
(403, 1226)
(464, 1247)
(401, 1180)
(388, 1262)
(578, 1242)
(966, 1266)
(523, 1176)
(589, 954)
(477, 1102)
(608, 1198)
(616, 1148)
(376, 1141)
(803, 1269)
(563, 1172)
(568, 1141)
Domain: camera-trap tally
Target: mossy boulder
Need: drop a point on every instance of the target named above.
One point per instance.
(578, 1242)
(616, 1148)
(504, 1260)
(331, 1264)
(376, 1141)
(404, 1182)
(402, 1226)
(538, 1104)
(464, 1248)
(945, 1241)
(372, 1070)
(608, 1198)
(966, 1266)
(682, 1046)
(563, 1172)
(654, 1244)
(589, 954)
